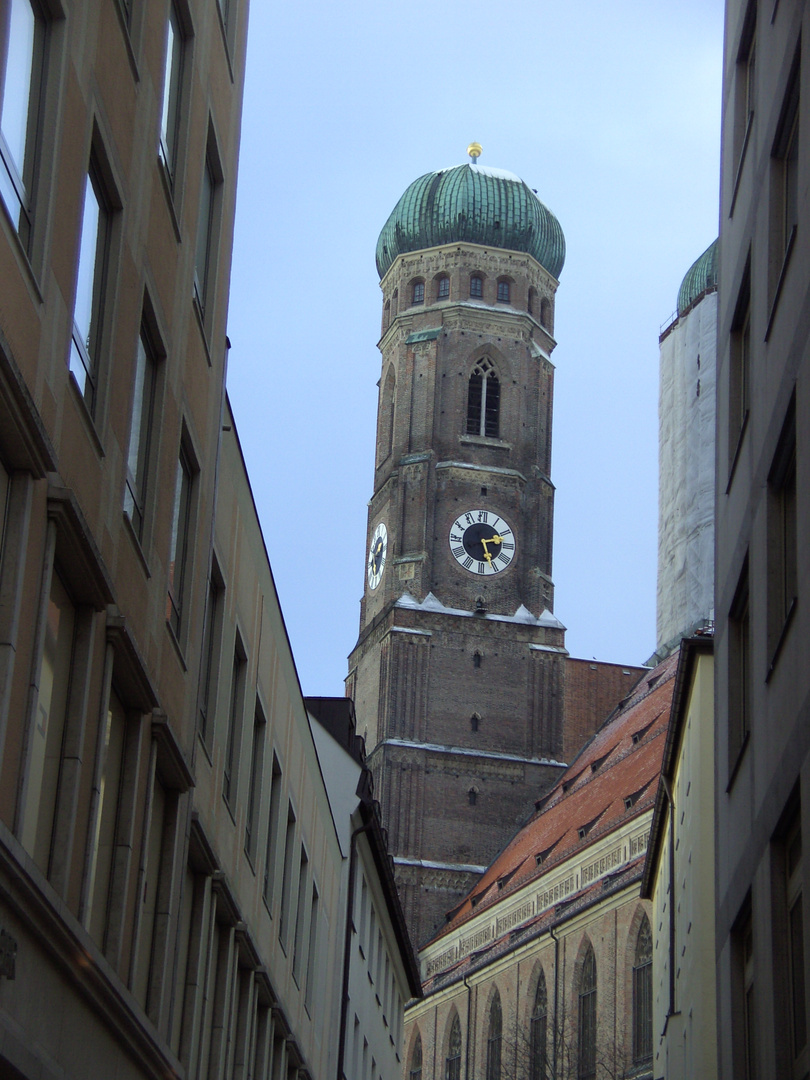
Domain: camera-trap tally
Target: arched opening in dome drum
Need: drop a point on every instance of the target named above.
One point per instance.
(545, 313)
(484, 400)
(476, 287)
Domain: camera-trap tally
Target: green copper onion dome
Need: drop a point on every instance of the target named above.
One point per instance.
(701, 277)
(475, 205)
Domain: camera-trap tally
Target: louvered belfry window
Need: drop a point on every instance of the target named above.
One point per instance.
(484, 400)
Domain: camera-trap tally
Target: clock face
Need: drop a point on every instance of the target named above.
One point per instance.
(378, 549)
(482, 542)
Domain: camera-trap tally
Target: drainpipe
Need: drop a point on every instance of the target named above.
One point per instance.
(347, 946)
(556, 993)
(469, 1011)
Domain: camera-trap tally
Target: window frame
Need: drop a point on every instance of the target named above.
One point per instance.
(477, 289)
(19, 177)
(538, 1031)
(586, 1016)
(740, 672)
(417, 293)
(784, 193)
(484, 404)
(209, 213)
(137, 483)
(494, 1038)
(643, 994)
(443, 287)
(181, 542)
(504, 291)
(739, 377)
(782, 536)
(173, 96)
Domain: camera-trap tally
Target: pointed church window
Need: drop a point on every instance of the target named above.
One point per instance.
(483, 401)
(642, 994)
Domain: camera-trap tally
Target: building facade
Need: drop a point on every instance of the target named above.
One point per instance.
(545, 968)
(762, 724)
(679, 876)
(459, 672)
(173, 888)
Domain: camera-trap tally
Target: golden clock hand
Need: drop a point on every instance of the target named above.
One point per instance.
(495, 539)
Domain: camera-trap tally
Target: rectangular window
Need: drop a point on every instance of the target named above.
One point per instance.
(143, 960)
(233, 735)
(739, 670)
(287, 880)
(744, 1001)
(782, 534)
(254, 790)
(140, 432)
(744, 89)
(172, 94)
(301, 930)
(212, 638)
(314, 915)
(91, 282)
(178, 557)
(104, 845)
(206, 221)
(272, 833)
(784, 187)
(739, 384)
(22, 66)
(46, 740)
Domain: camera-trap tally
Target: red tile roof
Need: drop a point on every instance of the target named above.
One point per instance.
(621, 763)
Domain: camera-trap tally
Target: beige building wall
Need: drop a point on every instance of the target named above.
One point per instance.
(679, 879)
(170, 872)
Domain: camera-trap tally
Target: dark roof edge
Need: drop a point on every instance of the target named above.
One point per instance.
(377, 839)
(690, 649)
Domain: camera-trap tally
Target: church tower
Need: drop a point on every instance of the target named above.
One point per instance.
(459, 670)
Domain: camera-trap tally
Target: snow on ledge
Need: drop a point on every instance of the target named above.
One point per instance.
(522, 615)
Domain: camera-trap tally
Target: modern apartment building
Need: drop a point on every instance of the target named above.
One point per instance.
(762, 721)
(172, 882)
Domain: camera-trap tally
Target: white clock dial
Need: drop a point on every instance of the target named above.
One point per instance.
(482, 542)
(377, 553)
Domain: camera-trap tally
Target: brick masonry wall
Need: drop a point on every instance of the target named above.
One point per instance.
(592, 692)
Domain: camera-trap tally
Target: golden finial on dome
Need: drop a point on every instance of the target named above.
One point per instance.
(474, 150)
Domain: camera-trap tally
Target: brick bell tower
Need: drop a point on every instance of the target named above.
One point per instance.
(458, 672)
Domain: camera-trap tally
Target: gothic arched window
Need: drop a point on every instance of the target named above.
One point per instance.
(484, 400)
(537, 1059)
(452, 1064)
(476, 286)
(395, 302)
(415, 1071)
(586, 1042)
(494, 1039)
(532, 300)
(385, 440)
(386, 315)
(443, 287)
(642, 993)
(503, 292)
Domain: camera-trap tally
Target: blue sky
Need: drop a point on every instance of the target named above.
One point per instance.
(612, 112)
